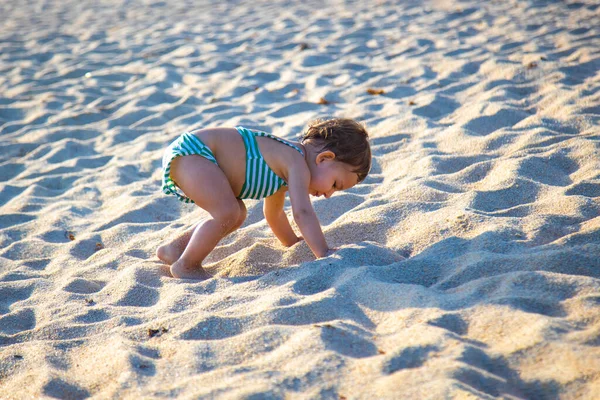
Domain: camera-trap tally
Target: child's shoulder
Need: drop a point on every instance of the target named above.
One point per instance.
(280, 145)
(282, 155)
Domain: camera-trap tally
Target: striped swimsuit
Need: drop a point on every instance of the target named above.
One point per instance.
(260, 180)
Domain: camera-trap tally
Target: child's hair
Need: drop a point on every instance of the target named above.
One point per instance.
(346, 138)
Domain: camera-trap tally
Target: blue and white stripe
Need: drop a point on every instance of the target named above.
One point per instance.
(185, 145)
(260, 181)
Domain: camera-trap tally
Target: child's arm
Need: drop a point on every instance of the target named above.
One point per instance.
(304, 213)
(277, 220)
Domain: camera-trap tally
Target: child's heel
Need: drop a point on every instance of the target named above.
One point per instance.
(180, 270)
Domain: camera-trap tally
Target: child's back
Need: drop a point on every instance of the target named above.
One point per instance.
(231, 148)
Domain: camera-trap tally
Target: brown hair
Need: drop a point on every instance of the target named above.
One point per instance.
(346, 138)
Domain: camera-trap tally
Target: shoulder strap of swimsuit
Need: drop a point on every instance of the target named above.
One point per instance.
(265, 134)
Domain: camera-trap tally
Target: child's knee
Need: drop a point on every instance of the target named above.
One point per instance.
(243, 214)
(228, 217)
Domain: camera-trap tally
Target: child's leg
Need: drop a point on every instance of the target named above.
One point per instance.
(170, 252)
(205, 183)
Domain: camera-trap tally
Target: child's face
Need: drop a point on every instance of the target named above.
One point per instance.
(329, 176)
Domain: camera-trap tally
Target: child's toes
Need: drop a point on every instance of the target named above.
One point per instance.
(165, 255)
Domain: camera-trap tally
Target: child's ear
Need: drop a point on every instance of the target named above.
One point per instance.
(325, 155)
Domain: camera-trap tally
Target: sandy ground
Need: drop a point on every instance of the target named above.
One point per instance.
(468, 263)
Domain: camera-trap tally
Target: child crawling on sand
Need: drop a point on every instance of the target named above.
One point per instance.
(216, 168)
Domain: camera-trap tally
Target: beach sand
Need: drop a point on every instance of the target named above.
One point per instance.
(468, 259)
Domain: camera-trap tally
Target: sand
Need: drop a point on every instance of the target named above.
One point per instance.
(468, 260)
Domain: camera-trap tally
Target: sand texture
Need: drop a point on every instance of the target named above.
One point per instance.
(468, 262)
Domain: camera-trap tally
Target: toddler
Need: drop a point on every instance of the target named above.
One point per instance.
(216, 168)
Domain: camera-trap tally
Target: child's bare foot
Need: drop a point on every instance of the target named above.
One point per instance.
(180, 269)
(168, 253)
